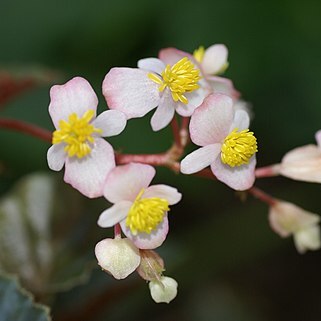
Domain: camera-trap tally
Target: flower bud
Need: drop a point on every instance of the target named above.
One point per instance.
(151, 265)
(163, 290)
(118, 256)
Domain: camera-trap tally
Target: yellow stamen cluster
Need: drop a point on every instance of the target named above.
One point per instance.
(199, 53)
(180, 78)
(145, 214)
(238, 148)
(77, 133)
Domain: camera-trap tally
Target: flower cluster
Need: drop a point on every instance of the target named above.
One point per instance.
(181, 86)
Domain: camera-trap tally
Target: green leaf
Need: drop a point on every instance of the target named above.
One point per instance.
(17, 304)
(42, 234)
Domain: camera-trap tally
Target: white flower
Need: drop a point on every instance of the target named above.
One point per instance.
(77, 140)
(303, 163)
(288, 219)
(140, 209)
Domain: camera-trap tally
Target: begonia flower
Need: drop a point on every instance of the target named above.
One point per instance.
(288, 219)
(302, 163)
(119, 257)
(171, 87)
(140, 209)
(163, 290)
(211, 62)
(77, 140)
(226, 143)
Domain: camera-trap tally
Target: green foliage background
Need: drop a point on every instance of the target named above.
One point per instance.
(228, 262)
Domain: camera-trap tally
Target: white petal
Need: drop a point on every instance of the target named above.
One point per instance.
(241, 120)
(114, 214)
(163, 191)
(119, 257)
(112, 122)
(308, 239)
(318, 138)
(200, 158)
(286, 218)
(223, 85)
(131, 91)
(75, 96)
(126, 181)
(147, 241)
(211, 122)
(163, 290)
(195, 99)
(172, 55)
(151, 64)
(239, 178)
(215, 59)
(164, 112)
(88, 174)
(303, 164)
(56, 157)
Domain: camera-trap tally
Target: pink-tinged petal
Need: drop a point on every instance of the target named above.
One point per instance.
(111, 122)
(223, 85)
(147, 241)
(164, 112)
(241, 120)
(131, 91)
(56, 157)
(172, 55)
(318, 138)
(125, 182)
(114, 214)
(215, 59)
(151, 64)
(118, 256)
(211, 122)
(163, 191)
(75, 96)
(195, 99)
(303, 164)
(239, 178)
(88, 174)
(200, 158)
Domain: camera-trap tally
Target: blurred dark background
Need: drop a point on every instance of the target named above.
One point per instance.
(229, 264)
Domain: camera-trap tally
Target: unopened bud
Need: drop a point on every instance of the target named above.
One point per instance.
(118, 256)
(163, 290)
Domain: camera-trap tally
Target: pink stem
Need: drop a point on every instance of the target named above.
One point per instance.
(176, 131)
(24, 127)
(267, 171)
(184, 132)
(160, 159)
(262, 196)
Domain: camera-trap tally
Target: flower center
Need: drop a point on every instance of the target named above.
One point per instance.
(238, 148)
(199, 53)
(180, 78)
(77, 133)
(145, 214)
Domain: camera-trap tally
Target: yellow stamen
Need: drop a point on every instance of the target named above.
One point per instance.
(145, 214)
(238, 148)
(199, 53)
(180, 78)
(77, 133)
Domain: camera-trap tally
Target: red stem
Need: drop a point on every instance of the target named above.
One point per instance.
(117, 231)
(26, 128)
(267, 171)
(262, 196)
(160, 159)
(176, 131)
